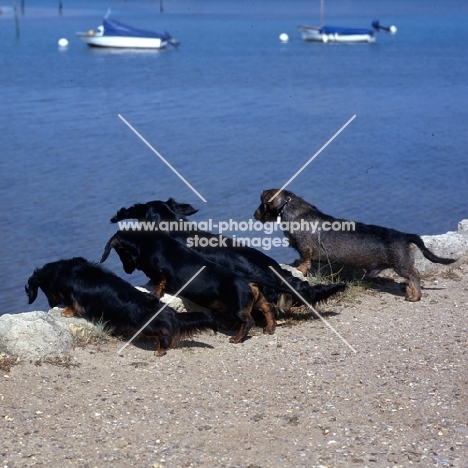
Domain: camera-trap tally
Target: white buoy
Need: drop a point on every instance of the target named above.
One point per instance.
(283, 37)
(392, 29)
(63, 42)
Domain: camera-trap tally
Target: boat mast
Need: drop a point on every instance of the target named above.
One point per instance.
(322, 8)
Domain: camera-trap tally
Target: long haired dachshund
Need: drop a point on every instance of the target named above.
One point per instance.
(368, 247)
(91, 291)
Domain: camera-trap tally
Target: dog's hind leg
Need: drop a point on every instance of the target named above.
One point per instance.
(413, 289)
(405, 268)
(240, 334)
(247, 322)
(262, 304)
(159, 351)
(241, 305)
(160, 282)
(304, 266)
(162, 343)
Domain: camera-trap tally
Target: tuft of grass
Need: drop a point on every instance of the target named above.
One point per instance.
(354, 289)
(99, 334)
(324, 274)
(451, 274)
(356, 282)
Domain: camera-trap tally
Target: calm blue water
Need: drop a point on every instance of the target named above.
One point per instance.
(235, 111)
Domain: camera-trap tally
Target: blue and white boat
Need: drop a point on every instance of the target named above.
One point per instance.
(326, 34)
(119, 35)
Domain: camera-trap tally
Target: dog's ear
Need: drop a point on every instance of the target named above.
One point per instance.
(31, 288)
(267, 194)
(288, 193)
(111, 244)
(182, 209)
(128, 254)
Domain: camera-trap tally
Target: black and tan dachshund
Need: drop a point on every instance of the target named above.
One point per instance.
(364, 246)
(88, 290)
(215, 287)
(243, 259)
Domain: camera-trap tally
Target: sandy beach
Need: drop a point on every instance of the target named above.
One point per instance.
(300, 398)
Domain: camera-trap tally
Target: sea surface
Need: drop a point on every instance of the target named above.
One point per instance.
(234, 111)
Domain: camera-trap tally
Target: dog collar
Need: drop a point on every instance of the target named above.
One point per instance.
(281, 207)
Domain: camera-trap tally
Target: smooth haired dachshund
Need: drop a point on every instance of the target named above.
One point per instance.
(243, 259)
(216, 287)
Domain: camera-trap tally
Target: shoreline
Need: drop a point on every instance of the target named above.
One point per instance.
(40, 334)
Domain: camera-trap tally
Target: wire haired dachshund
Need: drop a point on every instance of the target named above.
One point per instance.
(368, 247)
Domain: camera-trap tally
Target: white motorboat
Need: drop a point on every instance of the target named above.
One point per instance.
(119, 35)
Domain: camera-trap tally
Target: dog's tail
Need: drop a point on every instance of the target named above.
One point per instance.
(415, 239)
(312, 294)
(191, 323)
(319, 292)
(137, 211)
(32, 287)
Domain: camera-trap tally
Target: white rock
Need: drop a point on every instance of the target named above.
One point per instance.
(182, 304)
(33, 335)
(463, 225)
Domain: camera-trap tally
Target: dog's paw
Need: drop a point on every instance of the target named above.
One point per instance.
(68, 312)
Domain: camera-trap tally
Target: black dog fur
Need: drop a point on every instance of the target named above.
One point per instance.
(216, 287)
(246, 260)
(89, 290)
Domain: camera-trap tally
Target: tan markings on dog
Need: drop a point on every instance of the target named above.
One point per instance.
(240, 334)
(413, 290)
(304, 266)
(74, 309)
(262, 304)
(161, 282)
(159, 351)
(68, 312)
(80, 311)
